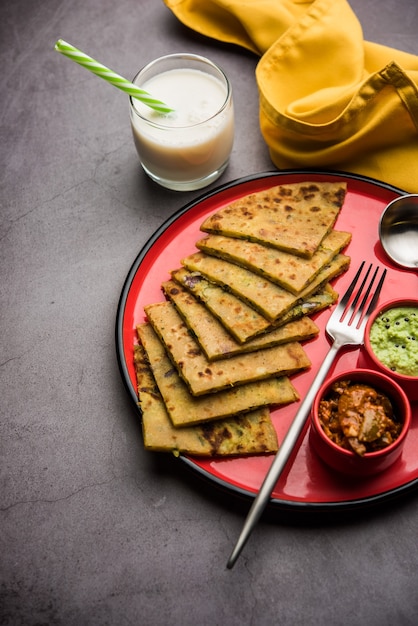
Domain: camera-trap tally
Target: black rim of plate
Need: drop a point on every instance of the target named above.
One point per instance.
(276, 503)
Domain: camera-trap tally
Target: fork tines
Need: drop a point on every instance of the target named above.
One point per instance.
(359, 308)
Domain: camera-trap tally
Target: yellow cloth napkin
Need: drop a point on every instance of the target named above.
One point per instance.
(328, 99)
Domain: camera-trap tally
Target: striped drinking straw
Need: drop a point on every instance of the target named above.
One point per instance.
(111, 77)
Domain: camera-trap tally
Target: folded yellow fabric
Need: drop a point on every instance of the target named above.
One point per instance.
(328, 99)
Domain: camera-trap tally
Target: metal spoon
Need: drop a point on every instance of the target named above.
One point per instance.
(398, 231)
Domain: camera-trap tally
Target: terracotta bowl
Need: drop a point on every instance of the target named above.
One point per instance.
(347, 461)
(369, 359)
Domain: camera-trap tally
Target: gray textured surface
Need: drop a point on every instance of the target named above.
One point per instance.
(93, 530)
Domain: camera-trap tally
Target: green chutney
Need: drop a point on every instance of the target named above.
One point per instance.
(394, 339)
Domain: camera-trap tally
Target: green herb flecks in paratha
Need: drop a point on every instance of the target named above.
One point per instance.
(294, 217)
(250, 433)
(203, 376)
(287, 270)
(266, 297)
(240, 320)
(185, 409)
(215, 341)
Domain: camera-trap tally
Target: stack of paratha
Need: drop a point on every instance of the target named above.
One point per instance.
(219, 350)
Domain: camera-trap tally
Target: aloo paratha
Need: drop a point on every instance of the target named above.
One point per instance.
(240, 320)
(215, 341)
(250, 433)
(203, 376)
(287, 270)
(294, 217)
(184, 409)
(269, 299)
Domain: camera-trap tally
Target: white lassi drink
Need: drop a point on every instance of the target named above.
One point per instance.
(189, 147)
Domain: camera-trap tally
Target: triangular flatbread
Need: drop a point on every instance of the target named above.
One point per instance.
(293, 217)
(215, 341)
(266, 297)
(240, 320)
(184, 409)
(250, 433)
(203, 376)
(287, 270)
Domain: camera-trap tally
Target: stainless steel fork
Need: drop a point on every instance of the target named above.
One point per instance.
(346, 328)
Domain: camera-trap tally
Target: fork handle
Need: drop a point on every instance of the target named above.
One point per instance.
(282, 455)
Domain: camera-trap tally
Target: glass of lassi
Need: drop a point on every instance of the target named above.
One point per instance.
(190, 147)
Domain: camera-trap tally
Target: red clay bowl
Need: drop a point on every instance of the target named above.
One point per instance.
(347, 461)
(368, 358)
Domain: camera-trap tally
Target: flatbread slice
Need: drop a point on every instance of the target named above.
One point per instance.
(321, 299)
(239, 319)
(185, 409)
(287, 270)
(294, 217)
(251, 433)
(266, 297)
(203, 376)
(215, 341)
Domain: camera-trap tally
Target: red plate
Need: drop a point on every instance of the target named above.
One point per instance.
(306, 483)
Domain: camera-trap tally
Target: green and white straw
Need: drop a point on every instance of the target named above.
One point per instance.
(111, 77)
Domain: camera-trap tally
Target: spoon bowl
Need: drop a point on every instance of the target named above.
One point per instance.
(398, 231)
